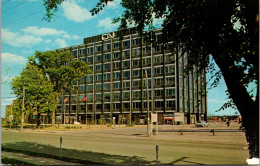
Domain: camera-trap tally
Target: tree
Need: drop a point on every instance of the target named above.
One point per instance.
(60, 69)
(38, 90)
(227, 30)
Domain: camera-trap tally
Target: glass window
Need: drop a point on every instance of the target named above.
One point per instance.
(136, 41)
(126, 74)
(126, 84)
(82, 88)
(116, 95)
(98, 106)
(107, 76)
(90, 50)
(169, 58)
(158, 59)
(158, 70)
(117, 45)
(107, 106)
(116, 75)
(116, 85)
(170, 69)
(107, 96)
(75, 53)
(98, 58)
(116, 55)
(107, 47)
(170, 81)
(98, 77)
(158, 81)
(126, 54)
(148, 72)
(126, 95)
(98, 96)
(83, 51)
(126, 105)
(126, 43)
(90, 59)
(136, 52)
(158, 104)
(90, 97)
(137, 105)
(83, 79)
(98, 87)
(90, 78)
(116, 65)
(126, 63)
(158, 92)
(137, 94)
(170, 92)
(136, 62)
(89, 87)
(107, 66)
(170, 104)
(136, 73)
(107, 56)
(98, 48)
(136, 83)
(116, 106)
(147, 61)
(107, 86)
(99, 67)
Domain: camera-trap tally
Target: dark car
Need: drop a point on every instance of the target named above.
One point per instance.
(201, 124)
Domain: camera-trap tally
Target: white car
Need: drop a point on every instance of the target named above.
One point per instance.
(201, 124)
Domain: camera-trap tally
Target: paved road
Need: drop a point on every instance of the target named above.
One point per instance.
(129, 146)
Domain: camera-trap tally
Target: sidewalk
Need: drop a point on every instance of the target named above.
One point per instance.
(35, 160)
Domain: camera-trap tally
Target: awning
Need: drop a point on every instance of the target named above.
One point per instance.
(168, 118)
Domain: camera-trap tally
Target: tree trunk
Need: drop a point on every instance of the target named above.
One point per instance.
(248, 108)
(38, 120)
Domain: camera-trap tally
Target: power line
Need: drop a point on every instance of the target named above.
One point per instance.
(5, 2)
(23, 17)
(14, 7)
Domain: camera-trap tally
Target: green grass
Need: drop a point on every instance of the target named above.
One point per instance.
(6, 160)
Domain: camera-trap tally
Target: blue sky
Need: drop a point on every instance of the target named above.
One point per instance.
(23, 32)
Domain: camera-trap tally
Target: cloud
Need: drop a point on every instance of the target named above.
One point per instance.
(61, 43)
(18, 40)
(8, 58)
(42, 31)
(75, 13)
(75, 37)
(47, 41)
(6, 79)
(113, 4)
(216, 101)
(107, 24)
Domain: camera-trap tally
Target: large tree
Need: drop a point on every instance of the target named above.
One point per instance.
(227, 30)
(38, 91)
(60, 69)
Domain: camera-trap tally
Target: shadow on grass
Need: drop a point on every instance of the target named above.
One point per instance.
(6, 160)
(72, 155)
(184, 161)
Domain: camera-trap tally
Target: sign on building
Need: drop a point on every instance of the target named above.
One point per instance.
(108, 36)
(179, 117)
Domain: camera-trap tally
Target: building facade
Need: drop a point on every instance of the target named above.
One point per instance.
(117, 87)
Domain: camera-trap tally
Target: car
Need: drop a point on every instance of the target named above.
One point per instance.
(201, 124)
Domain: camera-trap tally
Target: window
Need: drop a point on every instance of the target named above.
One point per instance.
(91, 68)
(117, 45)
(98, 48)
(137, 94)
(169, 80)
(74, 53)
(148, 72)
(126, 105)
(158, 48)
(107, 57)
(158, 81)
(169, 58)
(126, 74)
(158, 37)
(136, 62)
(107, 47)
(136, 83)
(98, 96)
(126, 63)
(126, 43)
(98, 77)
(158, 70)
(158, 59)
(158, 104)
(147, 50)
(144, 82)
(147, 61)
(116, 95)
(136, 41)
(170, 92)
(158, 92)
(89, 107)
(170, 104)
(90, 78)
(107, 86)
(136, 73)
(83, 59)
(137, 105)
(107, 76)
(83, 51)
(98, 87)
(126, 54)
(98, 58)
(90, 50)
(116, 85)
(90, 59)
(83, 79)
(169, 69)
(98, 106)
(116, 106)
(107, 66)
(136, 52)
(126, 95)
(107, 96)
(82, 88)
(116, 65)
(116, 55)
(126, 84)
(99, 67)
(89, 87)
(107, 106)
(116, 75)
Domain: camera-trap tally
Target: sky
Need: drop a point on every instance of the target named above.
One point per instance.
(23, 31)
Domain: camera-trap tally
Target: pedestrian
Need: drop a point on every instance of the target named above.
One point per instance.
(228, 123)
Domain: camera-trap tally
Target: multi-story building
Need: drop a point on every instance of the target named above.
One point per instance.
(117, 87)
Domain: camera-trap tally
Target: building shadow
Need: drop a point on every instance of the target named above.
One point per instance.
(73, 155)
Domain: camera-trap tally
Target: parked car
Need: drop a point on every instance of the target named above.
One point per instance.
(201, 124)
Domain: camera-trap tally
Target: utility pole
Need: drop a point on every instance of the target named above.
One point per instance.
(23, 109)
(148, 121)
